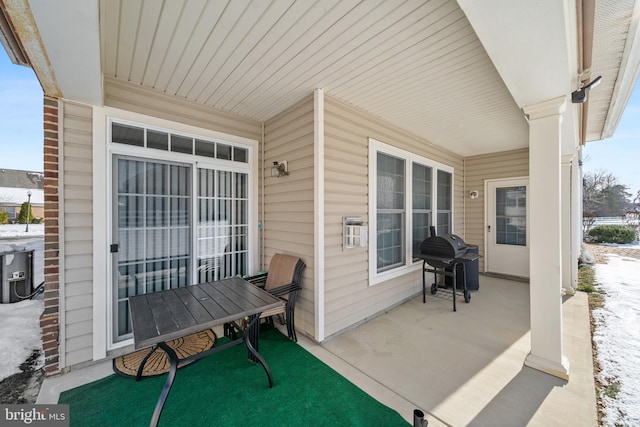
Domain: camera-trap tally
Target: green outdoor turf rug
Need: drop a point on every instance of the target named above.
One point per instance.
(225, 389)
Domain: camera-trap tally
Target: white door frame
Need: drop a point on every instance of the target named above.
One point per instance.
(489, 219)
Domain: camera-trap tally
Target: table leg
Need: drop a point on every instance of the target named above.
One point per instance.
(251, 340)
(173, 357)
(144, 362)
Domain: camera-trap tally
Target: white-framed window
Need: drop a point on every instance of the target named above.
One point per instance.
(12, 212)
(180, 209)
(408, 194)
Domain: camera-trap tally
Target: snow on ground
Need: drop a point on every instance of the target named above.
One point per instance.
(18, 230)
(617, 337)
(20, 334)
(632, 245)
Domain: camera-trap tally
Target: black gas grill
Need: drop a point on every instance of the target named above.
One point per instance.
(446, 255)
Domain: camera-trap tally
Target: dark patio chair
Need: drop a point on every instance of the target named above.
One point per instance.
(282, 280)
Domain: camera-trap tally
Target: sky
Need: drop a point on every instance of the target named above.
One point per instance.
(21, 135)
(619, 154)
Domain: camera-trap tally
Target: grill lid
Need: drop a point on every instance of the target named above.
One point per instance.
(445, 246)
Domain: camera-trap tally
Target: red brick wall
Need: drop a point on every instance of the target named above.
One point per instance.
(49, 321)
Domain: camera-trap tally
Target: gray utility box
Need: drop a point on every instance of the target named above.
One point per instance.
(16, 270)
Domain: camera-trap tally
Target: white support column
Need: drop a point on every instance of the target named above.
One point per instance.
(567, 235)
(545, 213)
(576, 215)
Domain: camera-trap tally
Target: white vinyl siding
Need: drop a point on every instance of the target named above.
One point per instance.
(76, 209)
(288, 218)
(478, 169)
(348, 297)
(79, 334)
(126, 96)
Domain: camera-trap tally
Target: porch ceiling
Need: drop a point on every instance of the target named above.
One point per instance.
(416, 64)
(455, 72)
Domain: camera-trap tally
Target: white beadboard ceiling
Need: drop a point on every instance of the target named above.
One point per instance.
(416, 64)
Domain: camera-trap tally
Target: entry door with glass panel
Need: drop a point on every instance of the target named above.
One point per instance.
(507, 231)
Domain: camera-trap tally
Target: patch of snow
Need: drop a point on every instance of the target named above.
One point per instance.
(632, 245)
(617, 337)
(585, 255)
(18, 230)
(20, 334)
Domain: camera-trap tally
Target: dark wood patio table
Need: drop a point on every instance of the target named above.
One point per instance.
(166, 315)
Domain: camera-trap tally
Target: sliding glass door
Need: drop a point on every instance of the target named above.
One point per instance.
(180, 213)
(223, 224)
(152, 228)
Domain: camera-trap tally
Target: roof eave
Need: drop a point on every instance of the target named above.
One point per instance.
(627, 77)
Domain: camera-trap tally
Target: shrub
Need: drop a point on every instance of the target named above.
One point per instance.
(612, 234)
(22, 218)
(4, 217)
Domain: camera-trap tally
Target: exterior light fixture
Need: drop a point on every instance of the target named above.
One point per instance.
(28, 210)
(473, 194)
(580, 95)
(279, 169)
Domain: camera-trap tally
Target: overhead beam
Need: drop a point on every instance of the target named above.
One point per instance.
(60, 41)
(537, 60)
(25, 32)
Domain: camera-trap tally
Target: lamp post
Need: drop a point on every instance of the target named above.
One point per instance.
(28, 210)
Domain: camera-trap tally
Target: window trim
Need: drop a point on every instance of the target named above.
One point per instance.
(410, 265)
(103, 152)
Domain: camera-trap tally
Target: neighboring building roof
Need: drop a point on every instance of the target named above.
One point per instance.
(17, 196)
(13, 178)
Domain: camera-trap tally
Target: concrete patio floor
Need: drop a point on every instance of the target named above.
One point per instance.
(467, 367)
(460, 368)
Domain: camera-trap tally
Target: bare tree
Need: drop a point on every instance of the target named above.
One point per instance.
(604, 195)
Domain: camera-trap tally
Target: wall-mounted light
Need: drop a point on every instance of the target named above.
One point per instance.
(473, 194)
(580, 95)
(279, 169)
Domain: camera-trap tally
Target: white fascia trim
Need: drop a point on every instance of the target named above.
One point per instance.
(70, 33)
(629, 71)
(376, 146)
(318, 204)
(101, 277)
